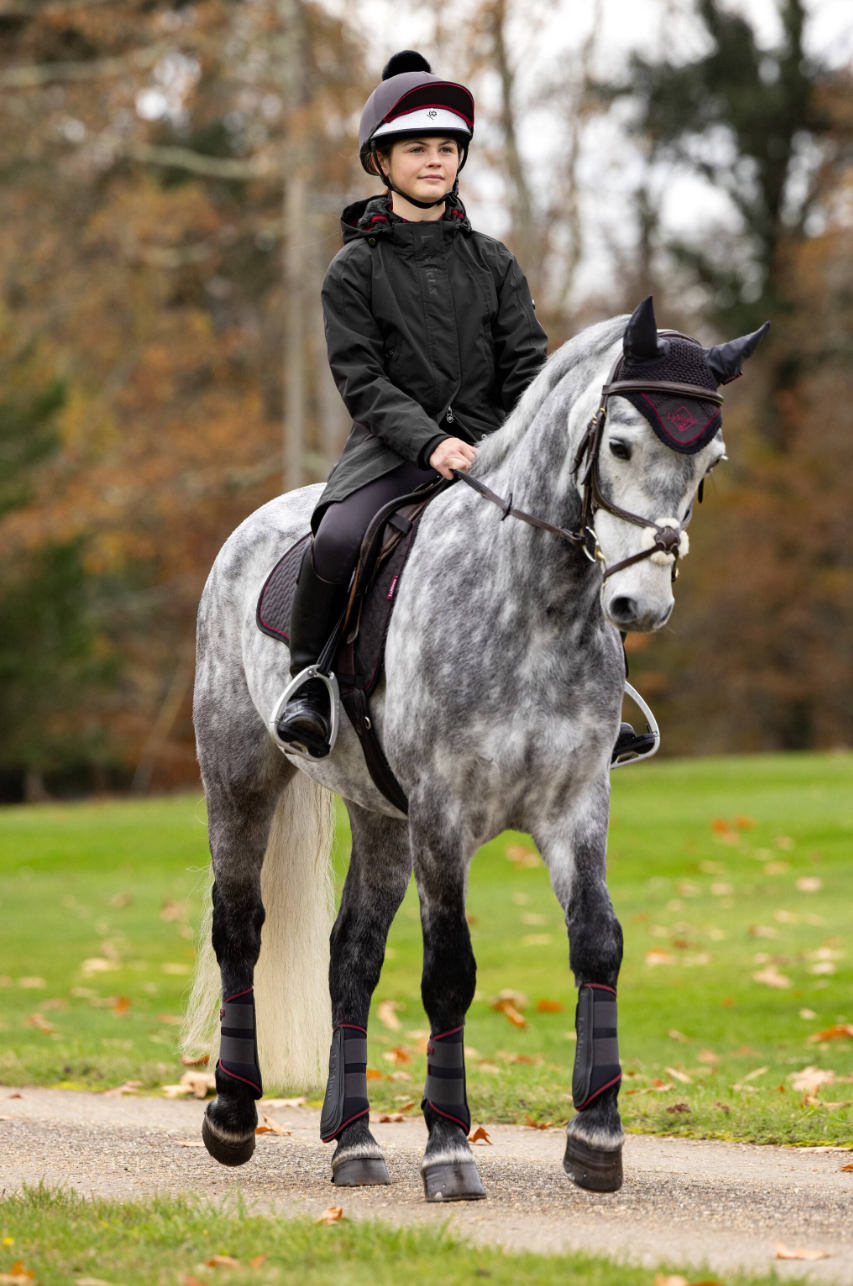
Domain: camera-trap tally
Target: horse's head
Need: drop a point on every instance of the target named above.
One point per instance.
(655, 436)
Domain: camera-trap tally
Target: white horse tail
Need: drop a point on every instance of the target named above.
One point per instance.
(292, 1005)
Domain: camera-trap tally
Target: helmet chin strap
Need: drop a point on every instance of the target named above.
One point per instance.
(422, 205)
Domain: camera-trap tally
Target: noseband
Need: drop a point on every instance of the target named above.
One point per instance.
(667, 539)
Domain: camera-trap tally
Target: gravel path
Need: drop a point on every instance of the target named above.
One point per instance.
(696, 1203)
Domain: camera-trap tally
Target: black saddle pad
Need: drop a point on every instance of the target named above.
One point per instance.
(276, 600)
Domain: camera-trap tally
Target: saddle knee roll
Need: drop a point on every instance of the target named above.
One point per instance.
(445, 1090)
(238, 1041)
(597, 1055)
(346, 1089)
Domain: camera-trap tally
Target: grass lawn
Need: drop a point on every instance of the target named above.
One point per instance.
(732, 879)
(56, 1236)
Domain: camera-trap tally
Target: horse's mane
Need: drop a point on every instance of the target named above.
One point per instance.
(577, 356)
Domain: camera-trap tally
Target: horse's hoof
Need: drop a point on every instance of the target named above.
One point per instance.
(592, 1168)
(453, 1181)
(360, 1172)
(224, 1152)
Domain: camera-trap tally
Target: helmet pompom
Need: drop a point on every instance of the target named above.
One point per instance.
(406, 60)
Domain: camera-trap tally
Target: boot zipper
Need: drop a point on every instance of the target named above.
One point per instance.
(449, 416)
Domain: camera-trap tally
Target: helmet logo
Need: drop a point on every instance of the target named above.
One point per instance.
(432, 112)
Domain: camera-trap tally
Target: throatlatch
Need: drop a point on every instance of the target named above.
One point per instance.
(445, 1090)
(597, 1056)
(346, 1088)
(238, 1043)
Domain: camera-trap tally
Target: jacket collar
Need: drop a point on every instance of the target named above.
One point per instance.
(373, 216)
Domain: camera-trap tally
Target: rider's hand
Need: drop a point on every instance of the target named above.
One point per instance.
(450, 454)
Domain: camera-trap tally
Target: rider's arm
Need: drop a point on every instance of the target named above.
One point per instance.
(521, 344)
(354, 342)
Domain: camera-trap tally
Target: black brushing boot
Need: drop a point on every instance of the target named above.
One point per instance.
(317, 603)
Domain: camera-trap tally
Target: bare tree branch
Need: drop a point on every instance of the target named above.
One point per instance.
(37, 74)
(214, 167)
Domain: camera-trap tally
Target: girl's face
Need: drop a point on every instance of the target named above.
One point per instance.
(424, 167)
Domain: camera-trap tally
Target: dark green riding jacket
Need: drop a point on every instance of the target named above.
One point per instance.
(431, 334)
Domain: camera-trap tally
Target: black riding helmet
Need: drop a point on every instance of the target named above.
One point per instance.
(411, 102)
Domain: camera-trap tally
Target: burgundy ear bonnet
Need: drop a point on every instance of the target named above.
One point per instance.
(685, 424)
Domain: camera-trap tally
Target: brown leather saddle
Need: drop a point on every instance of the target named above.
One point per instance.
(356, 649)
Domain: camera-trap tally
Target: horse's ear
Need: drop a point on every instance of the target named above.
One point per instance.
(725, 360)
(641, 343)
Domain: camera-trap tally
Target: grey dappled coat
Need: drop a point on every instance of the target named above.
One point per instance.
(422, 318)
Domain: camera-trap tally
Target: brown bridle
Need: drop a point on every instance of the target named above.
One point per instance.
(667, 539)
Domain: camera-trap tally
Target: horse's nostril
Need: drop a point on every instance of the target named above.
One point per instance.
(623, 609)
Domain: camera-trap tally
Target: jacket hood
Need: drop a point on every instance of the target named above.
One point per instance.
(373, 216)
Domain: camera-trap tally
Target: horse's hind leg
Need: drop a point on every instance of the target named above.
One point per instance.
(448, 1168)
(379, 870)
(574, 849)
(240, 810)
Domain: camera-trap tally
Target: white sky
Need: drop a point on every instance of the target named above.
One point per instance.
(548, 31)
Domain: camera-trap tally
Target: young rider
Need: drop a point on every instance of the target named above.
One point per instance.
(432, 338)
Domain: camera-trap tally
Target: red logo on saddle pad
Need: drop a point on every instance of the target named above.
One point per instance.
(682, 419)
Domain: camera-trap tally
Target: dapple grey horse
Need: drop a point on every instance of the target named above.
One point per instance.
(503, 685)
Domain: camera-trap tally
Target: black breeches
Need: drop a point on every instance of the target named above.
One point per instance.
(343, 524)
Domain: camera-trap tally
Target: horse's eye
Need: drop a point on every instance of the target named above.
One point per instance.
(620, 449)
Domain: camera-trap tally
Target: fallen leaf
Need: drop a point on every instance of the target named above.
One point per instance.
(201, 1061)
(822, 967)
(332, 1214)
(271, 1127)
(660, 1087)
(98, 964)
(538, 1125)
(175, 967)
(199, 1084)
(386, 1013)
(771, 977)
(811, 1079)
(762, 931)
(40, 1023)
(391, 1118)
(189, 1143)
(679, 1076)
(171, 1020)
(676, 1108)
(708, 1056)
(187, 1279)
(470, 920)
(720, 889)
(809, 884)
(170, 911)
(398, 1056)
(744, 823)
(481, 1135)
(121, 899)
(782, 1252)
(751, 1076)
(32, 983)
(120, 1005)
(129, 1087)
(808, 1014)
(724, 1107)
(776, 868)
(18, 1273)
(677, 1035)
(57, 1002)
(15, 1096)
(91, 1281)
(658, 957)
(510, 1003)
(848, 1167)
(222, 1261)
(549, 1007)
(258, 1261)
(407, 1107)
(373, 1074)
(839, 1031)
(520, 856)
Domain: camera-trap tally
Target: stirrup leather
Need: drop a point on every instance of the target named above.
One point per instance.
(297, 748)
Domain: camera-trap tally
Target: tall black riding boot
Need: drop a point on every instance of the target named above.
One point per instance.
(317, 604)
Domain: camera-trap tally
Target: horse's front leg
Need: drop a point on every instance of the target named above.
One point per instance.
(447, 987)
(379, 870)
(574, 848)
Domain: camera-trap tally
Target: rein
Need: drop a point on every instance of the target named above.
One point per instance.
(667, 539)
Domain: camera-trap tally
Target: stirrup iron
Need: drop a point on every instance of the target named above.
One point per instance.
(297, 748)
(652, 730)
